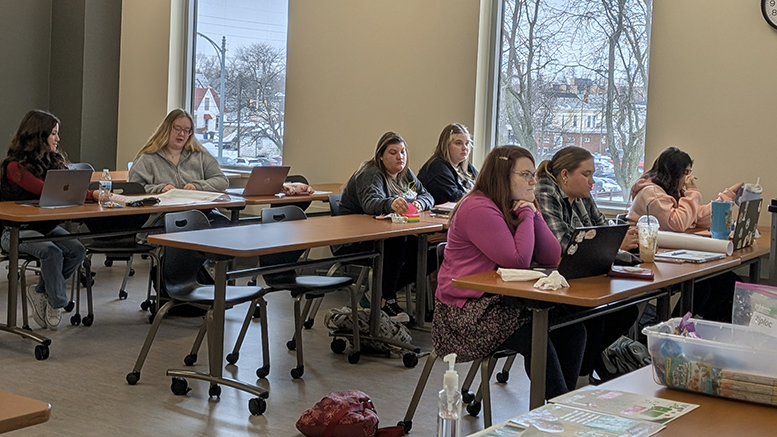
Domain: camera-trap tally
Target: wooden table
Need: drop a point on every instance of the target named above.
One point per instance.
(121, 175)
(15, 216)
(19, 412)
(714, 416)
(324, 190)
(224, 244)
(598, 291)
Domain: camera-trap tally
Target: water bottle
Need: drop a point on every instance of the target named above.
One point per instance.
(449, 415)
(105, 185)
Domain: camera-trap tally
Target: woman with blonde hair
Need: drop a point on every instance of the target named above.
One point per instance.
(448, 174)
(173, 158)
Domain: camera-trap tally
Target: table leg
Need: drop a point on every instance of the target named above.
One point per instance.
(686, 297)
(420, 281)
(377, 289)
(663, 306)
(755, 271)
(539, 357)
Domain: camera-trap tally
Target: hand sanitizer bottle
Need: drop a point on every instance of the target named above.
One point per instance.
(449, 416)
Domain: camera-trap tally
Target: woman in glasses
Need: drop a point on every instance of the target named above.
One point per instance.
(563, 191)
(670, 190)
(448, 174)
(498, 225)
(173, 158)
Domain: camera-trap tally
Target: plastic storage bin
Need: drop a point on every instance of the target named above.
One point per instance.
(728, 360)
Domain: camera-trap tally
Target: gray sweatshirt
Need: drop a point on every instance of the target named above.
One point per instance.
(154, 171)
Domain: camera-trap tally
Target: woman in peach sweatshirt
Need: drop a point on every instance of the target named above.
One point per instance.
(670, 190)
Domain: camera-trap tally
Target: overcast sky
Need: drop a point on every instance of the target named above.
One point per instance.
(243, 22)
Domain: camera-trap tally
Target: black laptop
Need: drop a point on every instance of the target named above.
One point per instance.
(591, 251)
(747, 220)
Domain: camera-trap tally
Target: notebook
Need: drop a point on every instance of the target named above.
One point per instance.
(591, 251)
(688, 256)
(264, 181)
(747, 220)
(63, 188)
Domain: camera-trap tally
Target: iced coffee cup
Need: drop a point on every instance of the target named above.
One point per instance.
(647, 228)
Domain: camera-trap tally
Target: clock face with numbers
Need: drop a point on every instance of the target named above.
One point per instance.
(769, 9)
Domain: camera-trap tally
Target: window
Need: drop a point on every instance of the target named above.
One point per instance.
(239, 79)
(554, 64)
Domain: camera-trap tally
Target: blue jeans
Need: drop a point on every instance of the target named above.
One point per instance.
(58, 261)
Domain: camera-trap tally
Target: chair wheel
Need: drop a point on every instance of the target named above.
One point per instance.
(337, 345)
(354, 357)
(467, 396)
(82, 278)
(406, 425)
(502, 377)
(233, 357)
(69, 307)
(41, 352)
(88, 320)
(214, 391)
(291, 344)
(132, 272)
(179, 386)
(308, 323)
(133, 378)
(151, 318)
(145, 305)
(263, 371)
(297, 372)
(75, 319)
(473, 408)
(190, 359)
(257, 406)
(122, 294)
(410, 360)
(108, 263)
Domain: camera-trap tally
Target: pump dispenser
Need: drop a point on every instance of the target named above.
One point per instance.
(449, 415)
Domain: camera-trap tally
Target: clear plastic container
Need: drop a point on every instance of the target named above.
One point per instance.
(727, 360)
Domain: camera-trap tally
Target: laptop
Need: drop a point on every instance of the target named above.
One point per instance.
(63, 188)
(591, 251)
(264, 181)
(747, 220)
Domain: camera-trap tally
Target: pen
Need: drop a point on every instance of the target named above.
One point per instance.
(679, 252)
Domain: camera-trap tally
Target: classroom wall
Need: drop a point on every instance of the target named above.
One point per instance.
(712, 91)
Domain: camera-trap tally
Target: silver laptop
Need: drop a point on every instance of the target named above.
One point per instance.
(264, 181)
(64, 188)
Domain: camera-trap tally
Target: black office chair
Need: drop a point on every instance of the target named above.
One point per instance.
(365, 267)
(179, 269)
(302, 286)
(485, 364)
(120, 248)
(296, 178)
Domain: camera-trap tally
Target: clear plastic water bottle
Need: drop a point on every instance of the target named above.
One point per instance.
(105, 185)
(449, 414)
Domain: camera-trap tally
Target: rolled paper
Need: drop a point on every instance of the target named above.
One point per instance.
(675, 240)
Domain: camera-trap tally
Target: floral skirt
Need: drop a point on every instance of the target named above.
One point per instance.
(477, 329)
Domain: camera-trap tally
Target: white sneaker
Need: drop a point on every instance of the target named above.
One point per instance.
(38, 303)
(53, 317)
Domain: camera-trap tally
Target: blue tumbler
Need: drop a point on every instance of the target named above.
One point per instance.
(721, 219)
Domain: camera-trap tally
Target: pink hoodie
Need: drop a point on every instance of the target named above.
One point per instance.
(671, 214)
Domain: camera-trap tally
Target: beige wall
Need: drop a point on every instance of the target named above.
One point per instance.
(357, 69)
(713, 91)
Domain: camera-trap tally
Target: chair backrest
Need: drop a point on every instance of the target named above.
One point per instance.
(303, 180)
(275, 215)
(125, 188)
(180, 266)
(334, 203)
(80, 166)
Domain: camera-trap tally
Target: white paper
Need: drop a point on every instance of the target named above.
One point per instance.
(674, 240)
(186, 197)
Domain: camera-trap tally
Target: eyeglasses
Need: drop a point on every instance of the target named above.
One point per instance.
(526, 174)
(178, 129)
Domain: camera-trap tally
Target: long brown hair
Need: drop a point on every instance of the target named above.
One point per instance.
(668, 171)
(442, 151)
(493, 181)
(386, 140)
(30, 147)
(162, 134)
(568, 158)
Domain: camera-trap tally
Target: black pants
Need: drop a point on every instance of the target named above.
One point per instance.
(400, 262)
(565, 355)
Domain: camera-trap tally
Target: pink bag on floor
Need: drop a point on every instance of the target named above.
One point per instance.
(344, 414)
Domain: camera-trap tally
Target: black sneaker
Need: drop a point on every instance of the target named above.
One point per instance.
(395, 312)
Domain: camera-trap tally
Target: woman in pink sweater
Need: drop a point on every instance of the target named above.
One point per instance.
(498, 225)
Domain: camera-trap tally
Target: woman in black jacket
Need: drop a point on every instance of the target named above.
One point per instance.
(448, 174)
